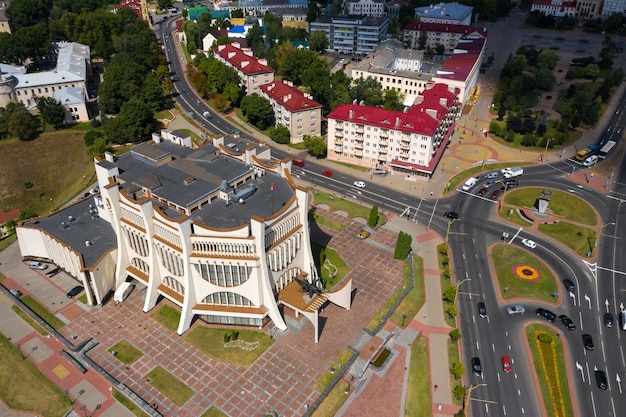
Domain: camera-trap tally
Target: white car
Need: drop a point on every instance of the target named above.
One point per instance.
(359, 184)
(529, 243)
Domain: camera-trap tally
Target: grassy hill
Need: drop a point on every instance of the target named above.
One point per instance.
(41, 175)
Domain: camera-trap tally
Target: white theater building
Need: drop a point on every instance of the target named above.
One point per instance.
(220, 231)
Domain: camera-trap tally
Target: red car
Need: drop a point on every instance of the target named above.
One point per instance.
(327, 172)
(482, 192)
(506, 364)
(495, 194)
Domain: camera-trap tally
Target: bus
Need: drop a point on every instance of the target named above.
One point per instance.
(607, 149)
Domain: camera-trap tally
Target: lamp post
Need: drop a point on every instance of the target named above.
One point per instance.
(600, 233)
(545, 153)
(468, 394)
(456, 293)
(450, 221)
(404, 315)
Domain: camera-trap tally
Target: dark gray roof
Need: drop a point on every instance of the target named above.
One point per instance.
(75, 225)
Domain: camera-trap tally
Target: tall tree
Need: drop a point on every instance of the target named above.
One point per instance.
(318, 41)
(23, 124)
(258, 110)
(51, 110)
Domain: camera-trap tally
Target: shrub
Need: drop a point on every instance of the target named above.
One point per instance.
(545, 338)
(451, 311)
(457, 369)
(459, 392)
(403, 246)
(373, 217)
(226, 338)
(448, 294)
(455, 335)
(234, 335)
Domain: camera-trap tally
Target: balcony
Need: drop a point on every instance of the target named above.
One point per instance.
(358, 152)
(339, 141)
(358, 145)
(339, 133)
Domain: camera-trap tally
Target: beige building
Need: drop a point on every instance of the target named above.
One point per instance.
(372, 8)
(294, 109)
(253, 72)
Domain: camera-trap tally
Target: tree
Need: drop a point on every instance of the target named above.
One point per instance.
(91, 137)
(221, 102)
(164, 4)
(258, 110)
(373, 216)
(232, 93)
(545, 79)
(23, 124)
(451, 311)
(138, 119)
(367, 90)
(393, 100)
(448, 294)
(457, 369)
(255, 37)
(547, 59)
(592, 71)
(421, 42)
(455, 335)
(316, 146)
(459, 392)
(51, 111)
(318, 41)
(279, 134)
(403, 246)
(24, 13)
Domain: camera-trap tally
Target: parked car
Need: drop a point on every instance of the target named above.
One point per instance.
(516, 310)
(75, 291)
(506, 364)
(569, 285)
(482, 310)
(38, 265)
(488, 184)
(495, 194)
(476, 368)
(15, 293)
(547, 314)
(567, 322)
(359, 184)
(481, 192)
(529, 243)
(451, 215)
(608, 319)
(601, 380)
(493, 175)
(587, 341)
(327, 173)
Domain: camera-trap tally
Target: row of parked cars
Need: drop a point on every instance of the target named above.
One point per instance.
(40, 266)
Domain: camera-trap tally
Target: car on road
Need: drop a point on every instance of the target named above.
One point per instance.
(37, 265)
(567, 322)
(451, 215)
(476, 367)
(529, 243)
(482, 310)
(569, 285)
(516, 310)
(488, 184)
(359, 184)
(75, 291)
(493, 175)
(608, 319)
(183, 91)
(481, 192)
(327, 173)
(506, 364)
(601, 380)
(547, 314)
(588, 341)
(495, 194)
(508, 184)
(15, 293)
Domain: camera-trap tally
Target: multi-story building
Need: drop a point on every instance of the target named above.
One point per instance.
(253, 72)
(73, 99)
(590, 9)
(294, 109)
(72, 71)
(259, 8)
(613, 6)
(407, 143)
(446, 13)
(439, 34)
(372, 8)
(220, 231)
(556, 8)
(5, 25)
(352, 34)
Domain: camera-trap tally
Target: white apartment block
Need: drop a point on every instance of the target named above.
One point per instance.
(221, 231)
(253, 72)
(613, 6)
(439, 34)
(446, 13)
(372, 8)
(294, 109)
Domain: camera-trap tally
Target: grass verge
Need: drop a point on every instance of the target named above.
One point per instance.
(168, 316)
(28, 319)
(211, 342)
(126, 352)
(580, 239)
(170, 386)
(418, 402)
(132, 407)
(329, 257)
(325, 221)
(550, 365)
(7, 241)
(339, 203)
(24, 387)
(562, 204)
(505, 258)
(328, 376)
(453, 356)
(513, 216)
(415, 299)
(333, 401)
(42, 312)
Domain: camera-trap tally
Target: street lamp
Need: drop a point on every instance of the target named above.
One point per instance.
(450, 221)
(602, 228)
(404, 316)
(545, 153)
(469, 393)
(456, 293)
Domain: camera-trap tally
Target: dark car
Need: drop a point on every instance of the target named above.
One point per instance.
(547, 314)
(608, 319)
(75, 291)
(495, 194)
(508, 184)
(451, 215)
(482, 192)
(588, 341)
(569, 285)
(601, 380)
(482, 310)
(476, 368)
(567, 322)
(15, 293)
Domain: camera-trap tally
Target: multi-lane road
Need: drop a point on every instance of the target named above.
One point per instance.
(600, 286)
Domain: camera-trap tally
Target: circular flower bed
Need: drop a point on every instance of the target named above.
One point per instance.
(527, 273)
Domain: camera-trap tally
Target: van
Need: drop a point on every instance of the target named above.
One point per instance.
(590, 161)
(122, 292)
(513, 172)
(622, 320)
(298, 162)
(469, 184)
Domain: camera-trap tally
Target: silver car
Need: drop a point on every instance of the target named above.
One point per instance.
(515, 310)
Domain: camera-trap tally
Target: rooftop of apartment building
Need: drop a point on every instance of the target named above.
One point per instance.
(465, 30)
(242, 60)
(352, 19)
(289, 97)
(383, 61)
(460, 64)
(454, 11)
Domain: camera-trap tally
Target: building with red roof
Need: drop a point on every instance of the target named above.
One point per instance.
(253, 72)
(293, 109)
(461, 70)
(135, 5)
(407, 143)
(444, 34)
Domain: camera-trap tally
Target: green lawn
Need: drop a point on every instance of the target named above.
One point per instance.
(7, 241)
(580, 239)
(333, 401)
(454, 356)
(170, 386)
(46, 315)
(132, 407)
(332, 257)
(211, 342)
(335, 202)
(24, 387)
(505, 257)
(126, 352)
(28, 319)
(418, 402)
(415, 299)
(168, 316)
(565, 205)
(513, 216)
(550, 367)
(325, 221)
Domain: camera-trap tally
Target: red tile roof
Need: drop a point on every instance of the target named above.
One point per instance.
(459, 65)
(133, 4)
(419, 122)
(553, 3)
(438, 98)
(242, 60)
(289, 97)
(464, 30)
(9, 215)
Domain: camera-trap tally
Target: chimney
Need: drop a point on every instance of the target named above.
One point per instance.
(351, 114)
(398, 120)
(108, 156)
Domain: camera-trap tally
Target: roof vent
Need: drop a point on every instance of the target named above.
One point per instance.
(189, 180)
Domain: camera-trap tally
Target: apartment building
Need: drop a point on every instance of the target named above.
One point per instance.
(253, 72)
(352, 34)
(446, 13)
(439, 34)
(371, 8)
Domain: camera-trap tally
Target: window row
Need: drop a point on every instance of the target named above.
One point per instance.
(224, 275)
(174, 285)
(227, 299)
(170, 261)
(137, 242)
(275, 234)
